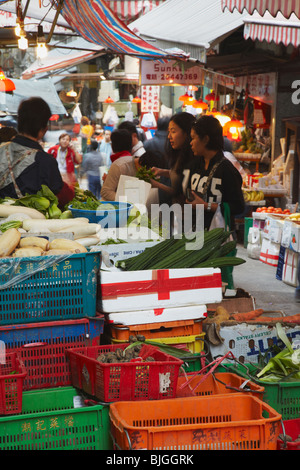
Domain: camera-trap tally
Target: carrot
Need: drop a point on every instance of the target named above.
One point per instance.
(285, 320)
(247, 315)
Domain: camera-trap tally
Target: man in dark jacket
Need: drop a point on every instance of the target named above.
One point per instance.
(24, 165)
(158, 142)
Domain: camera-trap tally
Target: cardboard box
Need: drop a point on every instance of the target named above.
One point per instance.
(273, 228)
(291, 235)
(158, 315)
(247, 342)
(269, 252)
(290, 268)
(163, 288)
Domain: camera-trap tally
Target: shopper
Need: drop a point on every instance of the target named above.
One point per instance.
(137, 145)
(24, 165)
(127, 165)
(178, 155)
(67, 157)
(211, 177)
(92, 161)
(86, 132)
(7, 133)
(105, 147)
(158, 142)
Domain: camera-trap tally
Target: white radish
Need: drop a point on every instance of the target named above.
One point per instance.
(9, 241)
(7, 209)
(88, 241)
(62, 243)
(83, 230)
(53, 224)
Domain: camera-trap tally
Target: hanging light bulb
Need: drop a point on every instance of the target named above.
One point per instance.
(19, 26)
(23, 42)
(41, 46)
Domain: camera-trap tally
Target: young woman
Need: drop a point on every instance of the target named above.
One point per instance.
(66, 158)
(178, 155)
(211, 177)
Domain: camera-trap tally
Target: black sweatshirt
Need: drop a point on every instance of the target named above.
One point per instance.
(225, 186)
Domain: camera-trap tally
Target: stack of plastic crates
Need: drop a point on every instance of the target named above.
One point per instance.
(186, 335)
(47, 310)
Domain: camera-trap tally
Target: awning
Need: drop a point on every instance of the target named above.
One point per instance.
(95, 22)
(28, 88)
(62, 58)
(277, 30)
(192, 25)
(286, 7)
(130, 10)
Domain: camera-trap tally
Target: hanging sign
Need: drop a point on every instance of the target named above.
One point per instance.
(150, 98)
(169, 73)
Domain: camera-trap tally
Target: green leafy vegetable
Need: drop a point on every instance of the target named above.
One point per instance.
(11, 224)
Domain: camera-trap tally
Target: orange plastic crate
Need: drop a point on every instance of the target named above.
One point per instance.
(157, 330)
(197, 385)
(12, 375)
(195, 423)
(134, 380)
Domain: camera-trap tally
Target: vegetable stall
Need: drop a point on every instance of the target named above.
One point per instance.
(144, 313)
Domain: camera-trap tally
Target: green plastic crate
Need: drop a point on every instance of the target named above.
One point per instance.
(32, 291)
(49, 421)
(284, 397)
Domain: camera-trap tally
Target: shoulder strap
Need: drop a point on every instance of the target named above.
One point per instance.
(211, 174)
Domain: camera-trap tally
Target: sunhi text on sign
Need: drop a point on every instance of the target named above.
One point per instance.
(170, 73)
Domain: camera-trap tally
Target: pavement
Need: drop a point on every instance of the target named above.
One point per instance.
(259, 280)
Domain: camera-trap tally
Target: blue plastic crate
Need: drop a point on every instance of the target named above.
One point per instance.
(64, 290)
(84, 330)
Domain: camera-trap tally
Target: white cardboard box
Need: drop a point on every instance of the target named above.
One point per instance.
(246, 342)
(162, 288)
(290, 268)
(158, 315)
(269, 253)
(273, 228)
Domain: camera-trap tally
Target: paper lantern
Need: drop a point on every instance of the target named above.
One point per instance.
(6, 85)
(231, 129)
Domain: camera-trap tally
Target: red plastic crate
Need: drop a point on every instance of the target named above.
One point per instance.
(292, 429)
(135, 380)
(42, 346)
(12, 374)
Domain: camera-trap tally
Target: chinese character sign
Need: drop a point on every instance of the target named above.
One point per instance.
(150, 99)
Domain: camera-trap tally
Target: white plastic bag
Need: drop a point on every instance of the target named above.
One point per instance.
(217, 220)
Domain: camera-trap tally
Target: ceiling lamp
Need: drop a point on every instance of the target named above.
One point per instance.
(6, 84)
(193, 88)
(184, 97)
(109, 100)
(23, 42)
(222, 118)
(72, 93)
(200, 104)
(54, 117)
(137, 99)
(232, 129)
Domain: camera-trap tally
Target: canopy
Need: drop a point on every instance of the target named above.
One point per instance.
(73, 53)
(270, 29)
(286, 7)
(131, 10)
(192, 25)
(28, 88)
(95, 22)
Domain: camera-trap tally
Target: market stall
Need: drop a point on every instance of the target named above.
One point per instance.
(151, 322)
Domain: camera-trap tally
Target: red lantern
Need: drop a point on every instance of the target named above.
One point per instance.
(109, 100)
(231, 129)
(54, 117)
(212, 97)
(137, 99)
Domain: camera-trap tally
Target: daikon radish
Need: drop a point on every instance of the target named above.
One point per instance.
(64, 244)
(53, 224)
(7, 209)
(9, 241)
(34, 241)
(27, 252)
(88, 241)
(83, 230)
(57, 252)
